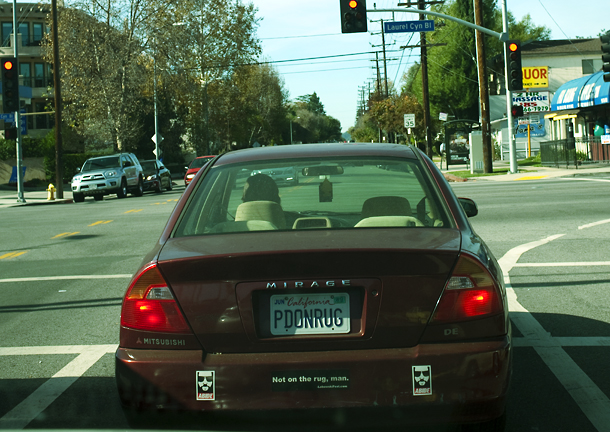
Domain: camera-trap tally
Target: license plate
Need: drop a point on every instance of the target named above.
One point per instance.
(93, 187)
(296, 314)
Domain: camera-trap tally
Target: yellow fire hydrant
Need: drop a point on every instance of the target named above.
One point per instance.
(51, 192)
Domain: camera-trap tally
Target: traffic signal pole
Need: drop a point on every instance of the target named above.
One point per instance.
(512, 149)
(20, 197)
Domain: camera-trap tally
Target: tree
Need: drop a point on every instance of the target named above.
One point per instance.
(453, 79)
(388, 114)
(314, 124)
(102, 73)
(204, 42)
(249, 106)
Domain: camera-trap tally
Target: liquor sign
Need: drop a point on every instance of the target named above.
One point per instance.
(535, 77)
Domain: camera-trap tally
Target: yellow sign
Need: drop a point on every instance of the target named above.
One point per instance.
(535, 77)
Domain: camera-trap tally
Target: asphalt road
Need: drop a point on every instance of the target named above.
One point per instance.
(58, 334)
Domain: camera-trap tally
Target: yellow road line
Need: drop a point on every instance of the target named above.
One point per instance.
(100, 223)
(66, 234)
(531, 178)
(12, 255)
(133, 211)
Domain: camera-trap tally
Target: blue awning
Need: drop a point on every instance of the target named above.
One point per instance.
(582, 92)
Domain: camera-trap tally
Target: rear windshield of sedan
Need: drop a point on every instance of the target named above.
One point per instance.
(354, 193)
(199, 162)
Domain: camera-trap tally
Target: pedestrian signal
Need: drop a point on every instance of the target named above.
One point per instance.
(517, 111)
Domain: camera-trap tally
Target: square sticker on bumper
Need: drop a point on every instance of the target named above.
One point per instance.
(422, 380)
(206, 385)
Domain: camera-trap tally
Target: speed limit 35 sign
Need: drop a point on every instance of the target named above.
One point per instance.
(409, 120)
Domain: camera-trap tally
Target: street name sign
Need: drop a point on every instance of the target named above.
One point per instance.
(408, 26)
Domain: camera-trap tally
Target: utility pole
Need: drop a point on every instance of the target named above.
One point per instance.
(421, 4)
(424, 77)
(378, 84)
(483, 89)
(59, 165)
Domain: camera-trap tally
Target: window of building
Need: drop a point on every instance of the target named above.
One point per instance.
(590, 66)
(37, 30)
(7, 29)
(42, 120)
(39, 75)
(24, 31)
(25, 70)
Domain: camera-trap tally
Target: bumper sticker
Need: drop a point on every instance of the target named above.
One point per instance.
(422, 380)
(206, 385)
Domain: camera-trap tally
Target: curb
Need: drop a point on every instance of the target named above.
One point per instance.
(36, 203)
(454, 178)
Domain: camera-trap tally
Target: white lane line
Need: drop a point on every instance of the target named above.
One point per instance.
(79, 277)
(565, 264)
(570, 341)
(45, 395)
(591, 400)
(59, 349)
(585, 179)
(601, 222)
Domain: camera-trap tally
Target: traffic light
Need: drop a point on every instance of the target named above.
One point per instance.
(353, 16)
(515, 73)
(606, 55)
(10, 84)
(517, 111)
(10, 132)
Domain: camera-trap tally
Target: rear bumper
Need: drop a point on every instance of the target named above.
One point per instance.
(469, 381)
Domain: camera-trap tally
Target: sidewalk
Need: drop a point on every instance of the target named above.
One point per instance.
(534, 173)
(8, 197)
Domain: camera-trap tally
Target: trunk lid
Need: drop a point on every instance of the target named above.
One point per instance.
(294, 291)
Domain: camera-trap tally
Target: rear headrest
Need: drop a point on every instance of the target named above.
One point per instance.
(261, 210)
(386, 206)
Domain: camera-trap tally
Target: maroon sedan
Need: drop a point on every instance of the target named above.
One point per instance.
(362, 286)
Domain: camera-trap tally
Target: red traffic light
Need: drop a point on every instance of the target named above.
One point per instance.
(353, 4)
(512, 47)
(7, 65)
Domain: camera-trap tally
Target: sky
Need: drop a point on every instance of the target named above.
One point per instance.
(304, 30)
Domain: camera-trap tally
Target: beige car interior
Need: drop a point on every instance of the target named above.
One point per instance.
(386, 211)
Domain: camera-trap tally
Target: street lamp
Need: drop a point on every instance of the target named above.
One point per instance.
(291, 129)
(157, 138)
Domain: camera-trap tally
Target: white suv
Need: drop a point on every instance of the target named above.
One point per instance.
(115, 174)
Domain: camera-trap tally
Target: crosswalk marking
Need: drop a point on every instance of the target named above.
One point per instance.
(20, 416)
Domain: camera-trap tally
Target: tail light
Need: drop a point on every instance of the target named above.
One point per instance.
(150, 305)
(470, 292)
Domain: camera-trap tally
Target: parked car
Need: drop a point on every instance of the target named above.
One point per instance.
(156, 176)
(115, 174)
(361, 289)
(195, 165)
(282, 176)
